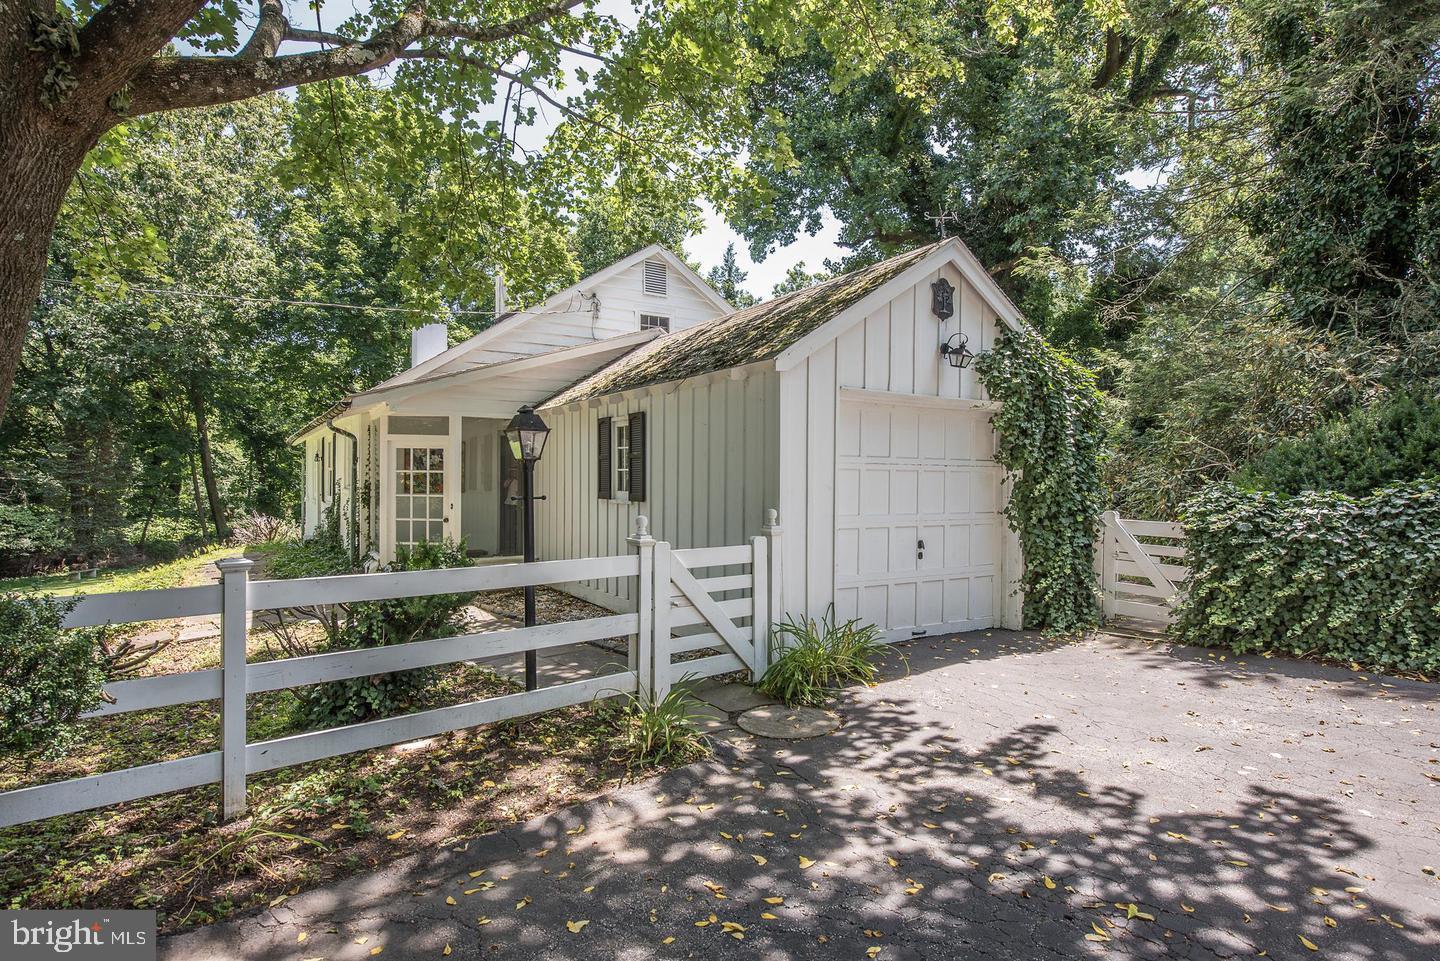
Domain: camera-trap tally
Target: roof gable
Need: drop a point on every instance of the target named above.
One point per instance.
(787, 328)
(508, 323)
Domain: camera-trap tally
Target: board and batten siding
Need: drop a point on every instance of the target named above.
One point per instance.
(895, 348)
(711, 472)
(621, 299)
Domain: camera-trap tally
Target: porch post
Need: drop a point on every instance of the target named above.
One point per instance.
(234, 608)
(641, 655)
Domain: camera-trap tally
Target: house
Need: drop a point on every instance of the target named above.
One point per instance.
(834, 404)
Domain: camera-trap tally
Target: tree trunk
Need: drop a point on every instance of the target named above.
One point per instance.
(199, 504)
(207, 461)
(39, 157)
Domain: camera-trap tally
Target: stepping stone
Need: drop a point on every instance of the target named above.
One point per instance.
(732, 697)
(788, 723)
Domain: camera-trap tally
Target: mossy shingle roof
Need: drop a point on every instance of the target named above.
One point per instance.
(744, 337)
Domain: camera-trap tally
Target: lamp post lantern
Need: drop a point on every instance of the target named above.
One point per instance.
(526, 434)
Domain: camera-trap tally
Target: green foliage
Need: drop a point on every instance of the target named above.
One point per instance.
(1354, 579)
(726, 277)
(650, 731)
(1393, 441)
(1050, 431)
(381, 624)
(316, 557)
(48, 675)
(1205, 393)
(30, 536)
(810, 660)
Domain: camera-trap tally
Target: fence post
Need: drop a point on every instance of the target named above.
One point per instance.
(641, 656)
(759, 606)
(659, 660)
(234, 608)
(772, 531)
(1108, 522)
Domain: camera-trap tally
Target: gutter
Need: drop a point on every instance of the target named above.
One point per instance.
(354, 486)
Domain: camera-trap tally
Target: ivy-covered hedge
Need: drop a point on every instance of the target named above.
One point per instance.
(1050, 431)
(1355, 579)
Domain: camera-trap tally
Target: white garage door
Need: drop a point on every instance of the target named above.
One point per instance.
(918, 523)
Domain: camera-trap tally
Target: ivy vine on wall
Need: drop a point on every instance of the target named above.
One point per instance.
(1050, 435)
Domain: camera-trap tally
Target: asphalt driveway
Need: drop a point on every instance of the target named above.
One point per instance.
(998, 796)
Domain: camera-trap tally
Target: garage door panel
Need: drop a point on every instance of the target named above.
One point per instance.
(874, 491)
(917, 474)
(931, 498)
(904, 490)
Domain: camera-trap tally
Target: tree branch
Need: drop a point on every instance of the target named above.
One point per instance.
(122, 36)
(172, 83)
(269, 33)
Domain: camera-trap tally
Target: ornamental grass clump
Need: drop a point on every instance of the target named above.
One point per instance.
(651, 731)
(810, 660)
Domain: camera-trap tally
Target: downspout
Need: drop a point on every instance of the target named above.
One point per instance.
(354, 489)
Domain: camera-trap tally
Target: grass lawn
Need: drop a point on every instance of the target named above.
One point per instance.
(181, 572)
(308, 824)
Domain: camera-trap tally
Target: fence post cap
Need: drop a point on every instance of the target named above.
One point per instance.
(642, 531)
(234, 565)
(772, 521)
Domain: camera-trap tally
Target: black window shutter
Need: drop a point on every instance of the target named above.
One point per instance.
(637, 456)
(603, 452)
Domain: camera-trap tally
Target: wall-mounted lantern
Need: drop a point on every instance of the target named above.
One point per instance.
(957, 352)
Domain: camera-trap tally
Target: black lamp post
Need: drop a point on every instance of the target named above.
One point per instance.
(956, 351)
(526, 434)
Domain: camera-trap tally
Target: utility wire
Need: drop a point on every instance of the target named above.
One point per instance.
(276, 301)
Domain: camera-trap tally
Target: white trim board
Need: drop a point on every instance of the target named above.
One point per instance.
(861, 395)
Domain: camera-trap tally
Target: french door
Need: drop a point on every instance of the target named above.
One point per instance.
(419, 485)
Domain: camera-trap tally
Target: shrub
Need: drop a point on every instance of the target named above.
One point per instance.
(1391, 442)
(1354, 579)
(652, 731)
(812, 659)
(381, 624)
(31, 537)
(48, 676)
(256, 528)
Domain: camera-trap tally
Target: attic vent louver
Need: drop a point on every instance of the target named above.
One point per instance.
(657, 280)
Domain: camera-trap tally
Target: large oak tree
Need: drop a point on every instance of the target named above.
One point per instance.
(671, 83)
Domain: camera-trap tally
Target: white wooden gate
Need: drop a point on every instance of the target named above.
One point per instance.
(1140, 579)
(728, 611)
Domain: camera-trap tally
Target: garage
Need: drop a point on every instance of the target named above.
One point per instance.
(918, 529)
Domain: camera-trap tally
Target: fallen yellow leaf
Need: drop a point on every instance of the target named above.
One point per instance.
(446, 952)
(805, 862)
(396, 835)
(1049, 884)
(775, 900)
(759, 859)
(575, 927)
(449, 899)
(1308, 943)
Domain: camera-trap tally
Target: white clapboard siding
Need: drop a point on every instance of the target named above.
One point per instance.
(710, 475)
(1140, 579)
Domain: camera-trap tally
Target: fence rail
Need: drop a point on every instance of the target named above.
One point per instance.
(1140, 578)
(670, 598)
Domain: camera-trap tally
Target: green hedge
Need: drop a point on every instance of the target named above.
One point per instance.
(1355, 579)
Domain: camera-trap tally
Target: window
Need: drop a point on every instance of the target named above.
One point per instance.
(621, 460)
(620, 457)
(654, 322)
(657, 278)
(419, 495)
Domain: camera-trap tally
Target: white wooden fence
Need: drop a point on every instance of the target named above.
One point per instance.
(672, 600)
(1138, 578)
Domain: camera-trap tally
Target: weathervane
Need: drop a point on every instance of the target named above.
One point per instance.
(942, 218)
